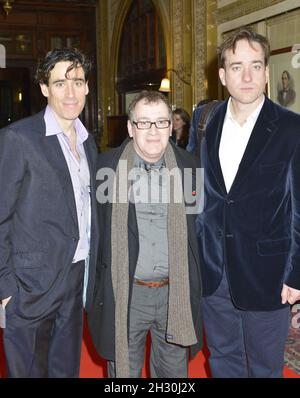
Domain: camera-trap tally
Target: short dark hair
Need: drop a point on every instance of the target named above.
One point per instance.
(244, 33)
(73, 55)
(149, 97)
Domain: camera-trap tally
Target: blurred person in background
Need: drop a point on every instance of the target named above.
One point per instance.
(181, 127)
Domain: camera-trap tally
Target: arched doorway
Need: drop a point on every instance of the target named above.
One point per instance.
(142, 52)
(139, 59)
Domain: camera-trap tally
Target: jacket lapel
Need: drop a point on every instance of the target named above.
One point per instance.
(192, 238)
(212, 138)
(91, 155)
(264, 129)
(57, 162)
(262, 133)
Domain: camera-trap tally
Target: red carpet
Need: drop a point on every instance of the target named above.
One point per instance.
(93, 367)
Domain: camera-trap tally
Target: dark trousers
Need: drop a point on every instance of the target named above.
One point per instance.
(243, 343)
(51, 346)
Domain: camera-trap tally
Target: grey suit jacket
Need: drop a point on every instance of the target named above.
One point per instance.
(38, 220)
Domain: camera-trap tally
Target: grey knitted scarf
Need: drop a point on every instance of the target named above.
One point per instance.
(180, 326)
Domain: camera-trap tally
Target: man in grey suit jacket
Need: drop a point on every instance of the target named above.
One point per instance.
(48, 231)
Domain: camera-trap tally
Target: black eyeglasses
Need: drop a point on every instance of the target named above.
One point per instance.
(146, 124)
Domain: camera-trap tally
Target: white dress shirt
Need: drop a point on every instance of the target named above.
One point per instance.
(234, 140)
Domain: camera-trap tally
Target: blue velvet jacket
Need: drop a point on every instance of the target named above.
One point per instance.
(252, 232)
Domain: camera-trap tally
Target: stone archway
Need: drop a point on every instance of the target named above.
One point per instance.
(121, 14)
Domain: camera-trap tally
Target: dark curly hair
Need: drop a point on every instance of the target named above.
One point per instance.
(73, 55)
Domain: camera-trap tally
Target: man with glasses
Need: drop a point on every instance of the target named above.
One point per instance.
(148, 274)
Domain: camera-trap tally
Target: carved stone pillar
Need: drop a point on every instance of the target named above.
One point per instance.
(200, 48)
(177, 50)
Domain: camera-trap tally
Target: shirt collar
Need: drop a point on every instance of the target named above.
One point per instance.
(253, 116)
(143, 164)
(53, 127)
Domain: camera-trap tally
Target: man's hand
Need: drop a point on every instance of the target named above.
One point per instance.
(5, 301)
(289, 294)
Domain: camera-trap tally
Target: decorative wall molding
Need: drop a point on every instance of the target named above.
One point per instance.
(199, 90)
(113, 9)
(242, 7)
(102, 51)
(117, 13)
(163, 5)
(177, 53)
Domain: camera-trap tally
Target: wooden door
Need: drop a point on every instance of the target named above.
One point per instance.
(14, 95)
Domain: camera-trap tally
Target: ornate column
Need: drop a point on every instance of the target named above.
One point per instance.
(200, 51)
(177, 50)
(181, 52)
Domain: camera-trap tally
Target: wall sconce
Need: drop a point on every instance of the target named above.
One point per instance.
(182, 76)
(7, 6)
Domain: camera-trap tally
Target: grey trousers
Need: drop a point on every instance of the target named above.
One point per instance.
(148, 312)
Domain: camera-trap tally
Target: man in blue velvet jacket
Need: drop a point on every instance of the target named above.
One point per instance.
(249, 232)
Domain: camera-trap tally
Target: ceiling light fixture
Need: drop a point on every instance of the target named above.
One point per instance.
(7, 6)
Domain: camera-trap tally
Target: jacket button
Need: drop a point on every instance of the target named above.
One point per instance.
(101, 303)
(229, 201)
(220, 234)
